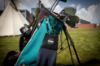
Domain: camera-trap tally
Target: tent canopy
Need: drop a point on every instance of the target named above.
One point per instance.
(11, 21)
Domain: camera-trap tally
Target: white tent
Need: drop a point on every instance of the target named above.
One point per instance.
(11, 21)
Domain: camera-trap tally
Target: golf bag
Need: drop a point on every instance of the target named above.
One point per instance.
(43, 38)
(30, 54)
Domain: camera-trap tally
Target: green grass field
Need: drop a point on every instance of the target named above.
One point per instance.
(7, 44)
(87, 43)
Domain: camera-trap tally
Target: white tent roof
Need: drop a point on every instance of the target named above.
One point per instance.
(11, 21)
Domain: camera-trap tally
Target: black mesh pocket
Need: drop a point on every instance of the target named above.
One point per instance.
(50, 41)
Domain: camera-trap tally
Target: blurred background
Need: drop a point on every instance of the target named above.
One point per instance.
(86, 35)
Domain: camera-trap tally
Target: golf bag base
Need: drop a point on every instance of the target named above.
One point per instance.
(10, 58)
(48, 51)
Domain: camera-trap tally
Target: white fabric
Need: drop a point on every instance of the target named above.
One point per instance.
(11, 21)
(48, 3)
(58, 9)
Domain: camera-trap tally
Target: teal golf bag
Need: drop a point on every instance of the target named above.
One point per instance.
(49, 25)
(29, 55)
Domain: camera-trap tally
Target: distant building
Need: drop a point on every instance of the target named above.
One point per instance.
(85, 24)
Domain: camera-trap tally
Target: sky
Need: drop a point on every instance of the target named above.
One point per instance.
(86, 9)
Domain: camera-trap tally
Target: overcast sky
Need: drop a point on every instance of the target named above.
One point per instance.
(86, 9)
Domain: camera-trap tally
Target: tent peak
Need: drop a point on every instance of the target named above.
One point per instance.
(13, 4)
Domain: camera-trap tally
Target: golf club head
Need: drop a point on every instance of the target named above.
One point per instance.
(63, 0)
(69, 11)
(73, 20)
(68, 15)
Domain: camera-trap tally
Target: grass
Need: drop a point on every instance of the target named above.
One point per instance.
(7, 44)
(87, 44)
